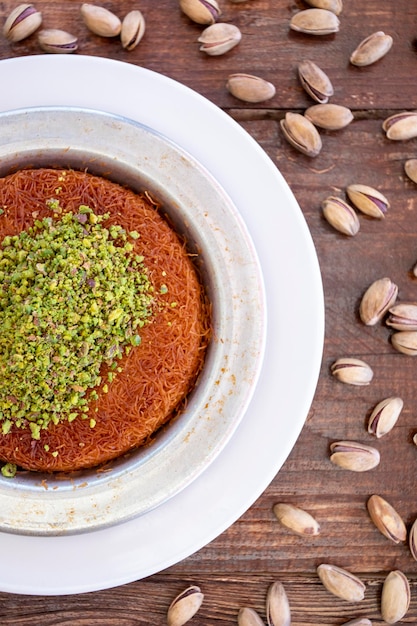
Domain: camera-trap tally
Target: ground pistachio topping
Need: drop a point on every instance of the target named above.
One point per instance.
(73, 297)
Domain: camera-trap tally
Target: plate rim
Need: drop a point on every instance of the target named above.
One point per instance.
(197, 529)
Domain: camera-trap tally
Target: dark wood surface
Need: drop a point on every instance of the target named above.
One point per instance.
(236, 569)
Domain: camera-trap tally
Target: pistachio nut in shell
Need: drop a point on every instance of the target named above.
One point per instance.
(352, 371)
(412, 537)
(386, 519)
(335, 6)
(314, 81)
(315, 22)
(301, 134)
(341, 216)
(405, 341)
(278, 612)
(410, 168)
(403, 316)
(354, 456)
(219, 38)
(296, 519)
(341, 582)
(250, 88)
(201, 11)
(57, 41)
(395, 597)
(377, 300)
(133, 29)
(401, 126)
(371, 49)
(22, 22)
(249, 617)
(184, 606)
(368, 200)
(359, 621)
(384, 416)
(329, 116)
(100, 21)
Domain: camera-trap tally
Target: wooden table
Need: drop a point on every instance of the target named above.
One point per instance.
(237, 568)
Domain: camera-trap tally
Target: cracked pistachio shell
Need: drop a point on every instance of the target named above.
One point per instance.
(249, 617)
(341, 216)
(341, 583)
(315, 22)
(405, 341)
(329, 116)
(301, 134)
(384, 416)
(354, 456)
(297, 520)
(201, 11)
(410, 168)
(360, 621)
(100, 21)
(133, 29)
(184, 606)
(377, 300)
(314, 81)
(57, 41)
(278, 612)
(386, 519)
(401, 126)
(412, 537)
(403, 316)
(335, 6)
(352, 371)
(371, 49)
(22, 22)
(395, 597)
(250, 88)
(219, 38)
(368, 200)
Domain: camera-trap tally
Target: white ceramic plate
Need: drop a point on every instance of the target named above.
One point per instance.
(277, 412)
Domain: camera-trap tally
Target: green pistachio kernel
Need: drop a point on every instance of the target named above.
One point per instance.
(8, 470)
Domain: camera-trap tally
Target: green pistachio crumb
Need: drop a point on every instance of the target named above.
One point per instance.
(71, 300)
(8, 470)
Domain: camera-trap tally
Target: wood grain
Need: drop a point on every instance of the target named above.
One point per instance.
(236, 569)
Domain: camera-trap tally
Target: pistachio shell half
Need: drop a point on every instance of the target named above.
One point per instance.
(297, 520)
